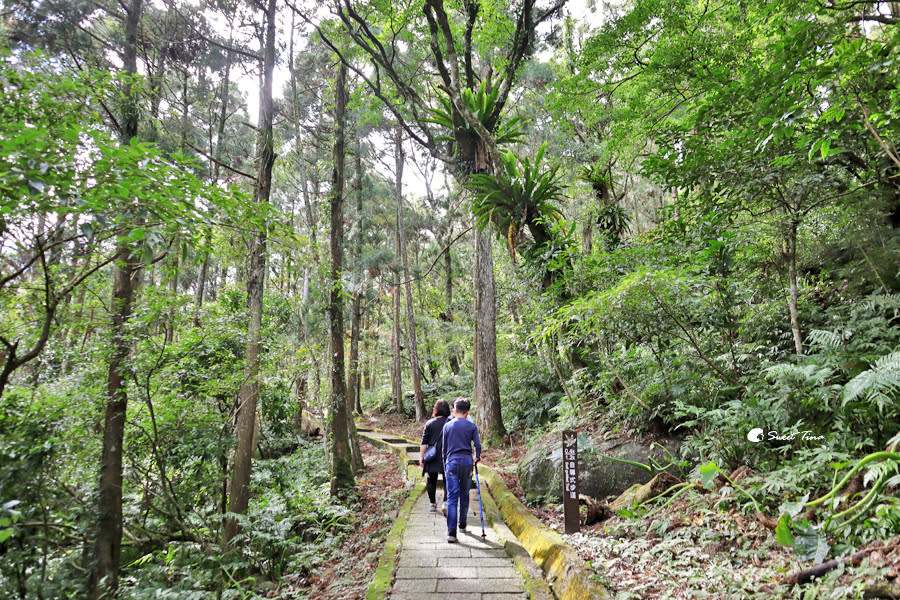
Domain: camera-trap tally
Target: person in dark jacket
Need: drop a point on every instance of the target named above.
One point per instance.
(431, 436)
(459, 437)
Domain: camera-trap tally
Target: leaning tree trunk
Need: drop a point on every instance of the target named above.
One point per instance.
(103, 580)
(245, 428)
(342, 479)
(410, 313)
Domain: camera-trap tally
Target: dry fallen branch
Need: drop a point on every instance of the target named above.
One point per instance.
(806, 575)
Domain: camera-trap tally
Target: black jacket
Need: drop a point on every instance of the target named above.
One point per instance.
(431, 436)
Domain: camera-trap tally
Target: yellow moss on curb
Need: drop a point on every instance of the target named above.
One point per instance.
(535, 584)
(384, 573)
(563, 568)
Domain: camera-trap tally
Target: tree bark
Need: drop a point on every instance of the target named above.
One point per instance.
(216, 166)
(201, 280)
(103, 579)
(352, 399)
(396, 365)
(356, 307)
(342, 479)
(353, 377)
(487, 387)
(174, 267)
(793, 299)
(245, 429)
(421, 414)
(430, 363)
(453, 358)
(587, 233)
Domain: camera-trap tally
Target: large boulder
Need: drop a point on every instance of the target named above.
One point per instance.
(540, 471)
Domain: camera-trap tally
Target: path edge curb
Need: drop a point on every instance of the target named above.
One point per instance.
(535, 583)
(565, 571)
(384, 572)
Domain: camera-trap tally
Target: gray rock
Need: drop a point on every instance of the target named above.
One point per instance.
(540, 471)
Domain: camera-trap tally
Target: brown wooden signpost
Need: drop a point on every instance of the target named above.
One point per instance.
(570, 481)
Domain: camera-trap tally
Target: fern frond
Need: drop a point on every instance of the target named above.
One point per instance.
(826, 340)
(883, 302)
(879, 385)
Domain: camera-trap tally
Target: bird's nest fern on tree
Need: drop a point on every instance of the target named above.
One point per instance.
(521, 194)
(483, 104)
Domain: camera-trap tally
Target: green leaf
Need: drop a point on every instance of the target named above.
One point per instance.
(783, 533)
(792, 509)
(810, 543)
(708, 474)
(5, 534)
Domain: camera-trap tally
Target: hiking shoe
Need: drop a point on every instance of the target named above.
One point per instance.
(451, 537)
(432, 508)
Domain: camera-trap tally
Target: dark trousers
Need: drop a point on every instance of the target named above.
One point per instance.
(431, 486)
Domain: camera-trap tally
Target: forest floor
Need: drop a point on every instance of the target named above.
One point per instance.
(381, 491)
(700, 546)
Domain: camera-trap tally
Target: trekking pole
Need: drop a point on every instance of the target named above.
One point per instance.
(480, 506)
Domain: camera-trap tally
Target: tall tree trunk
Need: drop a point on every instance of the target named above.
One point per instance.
(793, 299)
(448, 295)
(103, 580)
(487, 386)
(201, 279)
(174, 266)
(352, 401)
(216, 170)
(245, 428)
(342, 479)
(353, 377)
(396, 366)
(356, 307)
(410, 313)
(587, 232)
(430, 363)
(368, 346)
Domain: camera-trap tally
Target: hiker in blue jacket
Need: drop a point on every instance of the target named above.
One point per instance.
(459, 437)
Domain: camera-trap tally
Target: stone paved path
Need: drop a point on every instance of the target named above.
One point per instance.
(476, 568)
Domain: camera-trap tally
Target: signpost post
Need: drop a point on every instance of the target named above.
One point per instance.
(570, 481)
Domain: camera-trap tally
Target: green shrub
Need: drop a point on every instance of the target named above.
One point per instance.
(529, 392)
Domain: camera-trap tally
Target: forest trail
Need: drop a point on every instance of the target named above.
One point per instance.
(427, 567)
(475, 568)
